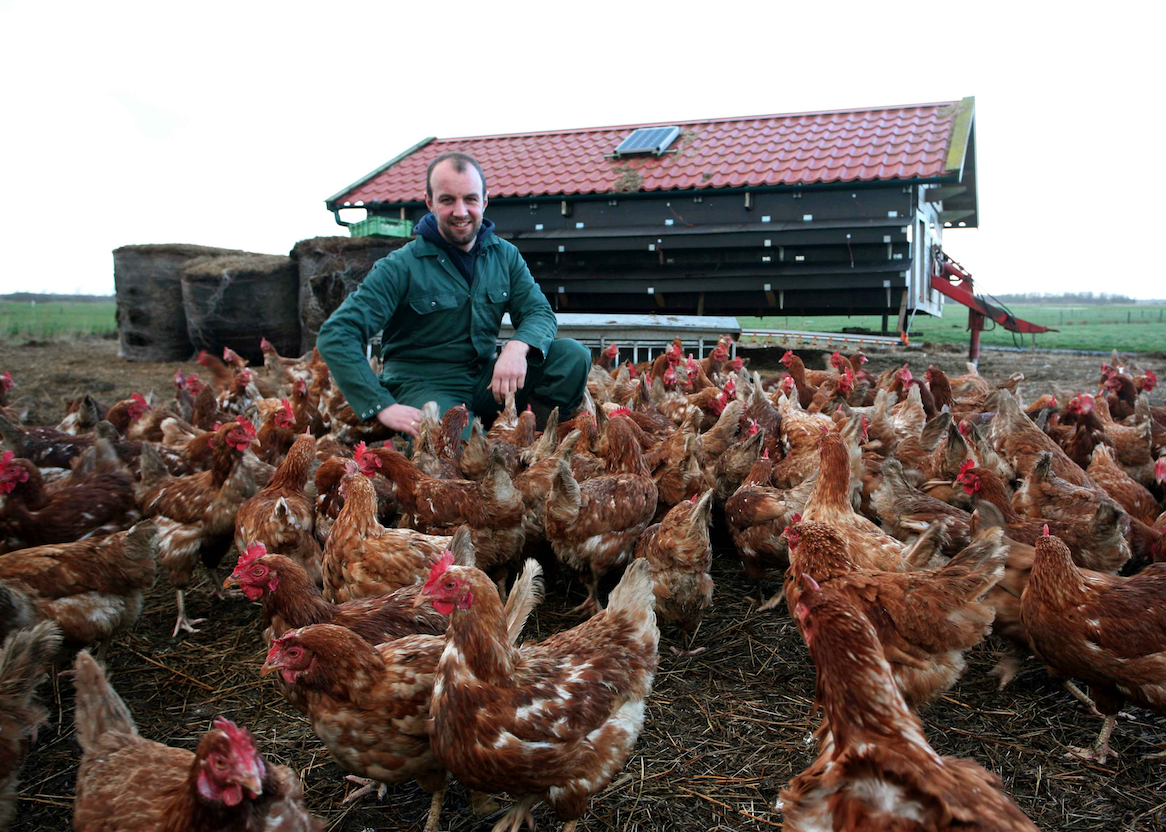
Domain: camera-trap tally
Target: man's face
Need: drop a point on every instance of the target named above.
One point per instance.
(457, 202)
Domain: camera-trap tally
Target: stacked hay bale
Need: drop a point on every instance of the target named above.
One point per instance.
(151, 320)
(235, 300)
(330, 268)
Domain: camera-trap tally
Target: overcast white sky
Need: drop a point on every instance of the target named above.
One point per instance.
(229, 124)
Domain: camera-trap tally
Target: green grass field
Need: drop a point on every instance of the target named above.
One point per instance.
(1128, 328)
(19, 321)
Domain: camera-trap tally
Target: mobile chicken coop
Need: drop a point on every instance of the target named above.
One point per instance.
(821, 213)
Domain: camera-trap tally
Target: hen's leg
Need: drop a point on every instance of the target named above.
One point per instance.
(435, 810)
(483, 803)
(1082, 697)
(1100, 749)
(1006, 669)
(591, 605)
(216, 584)
(367, 787)
(690, 639)
(772, 603)
(570, 825)
(512, 821)
(183, 622)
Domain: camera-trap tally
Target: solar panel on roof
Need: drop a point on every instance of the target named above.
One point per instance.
(653, 140)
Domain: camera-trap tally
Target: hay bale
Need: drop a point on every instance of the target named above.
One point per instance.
(236, 300)
(329, 269)
(151, 320)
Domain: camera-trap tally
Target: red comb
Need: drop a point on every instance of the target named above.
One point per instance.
(264, 344)
(440, 566)
(619, 411)
(253, 552)
(968, 465)
(1046, 532)
(765, 454)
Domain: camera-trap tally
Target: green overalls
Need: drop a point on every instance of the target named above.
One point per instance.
(440, 335)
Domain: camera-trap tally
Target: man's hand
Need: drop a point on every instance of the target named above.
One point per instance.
(509, 370)
(400, 417)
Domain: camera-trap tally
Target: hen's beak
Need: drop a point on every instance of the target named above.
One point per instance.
(421, 598)
(230, 581)
(251, 782)
(271, 663)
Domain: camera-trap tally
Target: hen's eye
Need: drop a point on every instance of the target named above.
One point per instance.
(219, 762)
(258, 570)
(450, 585)
(294, 652)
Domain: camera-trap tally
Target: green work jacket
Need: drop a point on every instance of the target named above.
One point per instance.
(432, 322)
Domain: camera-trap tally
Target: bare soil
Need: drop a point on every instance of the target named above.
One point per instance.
(725, 730)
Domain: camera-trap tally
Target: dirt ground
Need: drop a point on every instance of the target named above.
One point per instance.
(725, 730)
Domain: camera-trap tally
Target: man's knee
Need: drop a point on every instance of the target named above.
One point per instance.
(570, 359)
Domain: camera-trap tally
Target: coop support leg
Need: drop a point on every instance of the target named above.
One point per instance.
(976, 325)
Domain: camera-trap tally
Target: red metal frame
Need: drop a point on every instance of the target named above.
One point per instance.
(953, 281)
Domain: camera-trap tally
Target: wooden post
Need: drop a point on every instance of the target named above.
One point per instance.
(903, 313)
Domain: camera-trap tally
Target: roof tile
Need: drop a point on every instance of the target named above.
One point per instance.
(805, 148)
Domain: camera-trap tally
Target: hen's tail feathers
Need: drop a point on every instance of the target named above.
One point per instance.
(16, 610)
(1043, 466)
(983, 558)
(431, 411)
(545, 446)
(90, 411)
(634, 590)
(154, 469)
(565, 497)
(99, 708)
(935, 430)
(462, 547)
(1142, 409)
(927, 545)
(988, 516)
(14, 437)
(24, 660)
(139, 541)
(525, 595)
(567, 447)
(1106, 520)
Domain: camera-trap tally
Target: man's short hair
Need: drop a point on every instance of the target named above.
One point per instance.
(460, 162)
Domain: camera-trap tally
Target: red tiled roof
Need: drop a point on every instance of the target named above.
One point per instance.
(800, 148)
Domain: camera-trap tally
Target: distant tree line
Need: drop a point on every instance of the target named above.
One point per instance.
(1084, 298)
(41, 297)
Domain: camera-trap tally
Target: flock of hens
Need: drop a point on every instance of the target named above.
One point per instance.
(908, 516)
